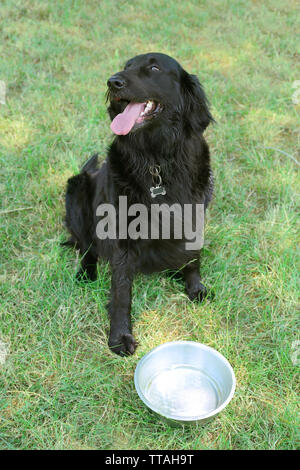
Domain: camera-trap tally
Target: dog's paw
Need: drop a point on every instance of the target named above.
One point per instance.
(122, 344)
(197, 294)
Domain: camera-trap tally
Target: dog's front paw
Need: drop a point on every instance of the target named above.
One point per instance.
(122, 344)
(198, 293)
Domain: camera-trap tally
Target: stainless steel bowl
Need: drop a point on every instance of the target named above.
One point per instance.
(185, 381)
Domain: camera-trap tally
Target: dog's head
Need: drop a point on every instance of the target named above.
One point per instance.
(153, 90)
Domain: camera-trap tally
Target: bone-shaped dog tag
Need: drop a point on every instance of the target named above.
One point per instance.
(157, 191)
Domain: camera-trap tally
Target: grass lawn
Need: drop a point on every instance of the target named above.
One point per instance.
(60, 386)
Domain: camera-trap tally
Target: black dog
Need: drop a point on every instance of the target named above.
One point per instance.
(159, 113)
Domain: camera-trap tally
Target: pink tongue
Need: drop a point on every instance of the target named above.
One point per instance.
(124, 122)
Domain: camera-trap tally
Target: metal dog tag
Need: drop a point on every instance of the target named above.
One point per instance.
(157, 191)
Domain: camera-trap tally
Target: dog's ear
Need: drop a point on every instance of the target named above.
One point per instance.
(195, 103)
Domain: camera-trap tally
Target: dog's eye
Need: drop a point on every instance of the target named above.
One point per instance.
(154, 67)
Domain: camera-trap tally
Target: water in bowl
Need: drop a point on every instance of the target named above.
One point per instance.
(183, 391)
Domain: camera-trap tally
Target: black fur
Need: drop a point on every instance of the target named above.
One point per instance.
(174, 140)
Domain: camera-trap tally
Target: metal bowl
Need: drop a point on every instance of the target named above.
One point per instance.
(185, 382)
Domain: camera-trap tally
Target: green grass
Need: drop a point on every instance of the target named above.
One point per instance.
(60, 386)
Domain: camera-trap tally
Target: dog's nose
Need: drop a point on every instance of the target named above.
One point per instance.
(116, 82)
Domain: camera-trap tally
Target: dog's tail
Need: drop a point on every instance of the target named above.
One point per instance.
(70, 243)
